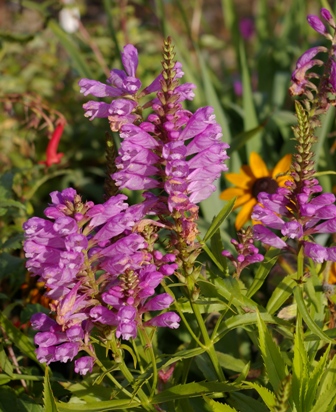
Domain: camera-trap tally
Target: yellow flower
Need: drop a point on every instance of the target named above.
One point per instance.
(253, 179)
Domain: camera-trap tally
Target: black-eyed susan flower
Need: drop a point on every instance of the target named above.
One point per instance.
(253, 179)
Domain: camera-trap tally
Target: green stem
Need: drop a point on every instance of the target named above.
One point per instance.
(108, 374)
(145, 401)
(300, 263)
(186, 323)
(209, 346)
(149, 347)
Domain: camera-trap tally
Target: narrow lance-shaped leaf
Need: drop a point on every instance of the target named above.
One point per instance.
(274, 363)
(5, 363)
(218, 407)
(263, 270)
(48, 397)
(219, 219)
(300, 368)
(315, 379)
(266, 395)
(298, 294)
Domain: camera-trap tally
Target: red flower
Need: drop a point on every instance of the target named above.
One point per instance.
(51, 153)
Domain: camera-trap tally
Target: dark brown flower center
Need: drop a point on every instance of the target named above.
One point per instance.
(264, 184)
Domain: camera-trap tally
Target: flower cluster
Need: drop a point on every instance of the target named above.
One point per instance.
(301, 77)
(123, 87)
(297, 216)
(173, 150)
(300, 209)
(68, 252)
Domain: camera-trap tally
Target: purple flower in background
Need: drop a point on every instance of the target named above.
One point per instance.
(246, 27)
(302, 75)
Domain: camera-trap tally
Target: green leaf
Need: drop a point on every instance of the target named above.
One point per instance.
(14, 242)
(246, 403)
(230, 362)
(328, 380)
(101, 406)
(274, 363)
(315, 379)
(218, 263)
(266, 395)
(300, 368)
(48, 397)
(20, 340)
(5, 363)
(326, 402)
(248, 319)
(281, 293)
(242, 138)
(26, 404)
(193, 389)
(6, 203)
(219, 219)
(218, 407)
(4, 379)
(205, 366)
(298, 294)
(217, 249)
(8, 399)
(10, 265)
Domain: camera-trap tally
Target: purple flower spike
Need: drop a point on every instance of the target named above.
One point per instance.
(316, 24)
(84, 365)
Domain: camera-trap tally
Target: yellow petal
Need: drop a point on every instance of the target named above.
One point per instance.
(282, 166)
(239, 179)
(245, 214)
(241, 195)
(247, 170)
(231, 192)
(243, 199)
(258, 166)
(283, 179)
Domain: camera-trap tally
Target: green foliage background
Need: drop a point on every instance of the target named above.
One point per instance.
(40, 66)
